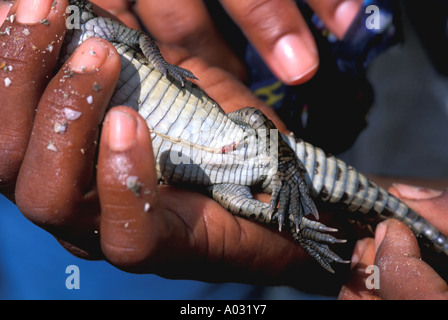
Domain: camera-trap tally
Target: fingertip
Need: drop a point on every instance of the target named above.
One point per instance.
(356, 288)
(403, 274)
(363, 254)
(293, 60)
(394, 237)
(90, 56)
(5, 7)
(405, 191)
(337, 16)
(121, 130)
(343, 16)
(33, 11)
(380, 233)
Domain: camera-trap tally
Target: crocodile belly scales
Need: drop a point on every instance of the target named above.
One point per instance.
(189, 130)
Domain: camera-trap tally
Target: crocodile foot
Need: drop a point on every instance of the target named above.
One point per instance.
(289, 189)
(176, 72)
(152, 53)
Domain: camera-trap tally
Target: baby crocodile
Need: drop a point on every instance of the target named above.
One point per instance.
(195, 142)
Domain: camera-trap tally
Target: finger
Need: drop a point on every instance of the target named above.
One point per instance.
(280, 34)
(189, 26)
(403, 275)
(357, 287)
(127, 189)
(32, 38)
(337, 15)
(57, 169)
(430, 203)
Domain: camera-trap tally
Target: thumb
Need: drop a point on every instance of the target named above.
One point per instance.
(403, 275)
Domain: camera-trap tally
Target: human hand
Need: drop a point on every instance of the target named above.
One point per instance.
(87, 204)
(402, 273)
(276, 28)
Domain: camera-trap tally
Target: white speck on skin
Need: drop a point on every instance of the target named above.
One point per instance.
(133, 184)
(147, 207)
(52, 147)
(60, 127)
(89, 99)
(50, 48)
(26, 32)
(7, 82)
(71, 114)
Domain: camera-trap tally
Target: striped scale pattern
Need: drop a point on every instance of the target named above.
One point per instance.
(332, 180)
(191, 133)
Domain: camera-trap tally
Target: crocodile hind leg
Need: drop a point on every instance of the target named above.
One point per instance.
(289, 190)
(114, 31)
(310, 234)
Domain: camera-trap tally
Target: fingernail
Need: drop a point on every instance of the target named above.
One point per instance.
(416, 193)
(295, 60)
(122, 131)
(33, 11)
(380, 233)
(89, 56)
(4, 10)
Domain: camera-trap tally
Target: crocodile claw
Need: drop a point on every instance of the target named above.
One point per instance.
(178, 73)
(311, 238)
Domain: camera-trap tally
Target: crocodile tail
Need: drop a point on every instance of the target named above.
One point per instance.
(332, 180)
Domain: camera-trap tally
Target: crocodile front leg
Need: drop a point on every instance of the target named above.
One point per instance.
(116, 32)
